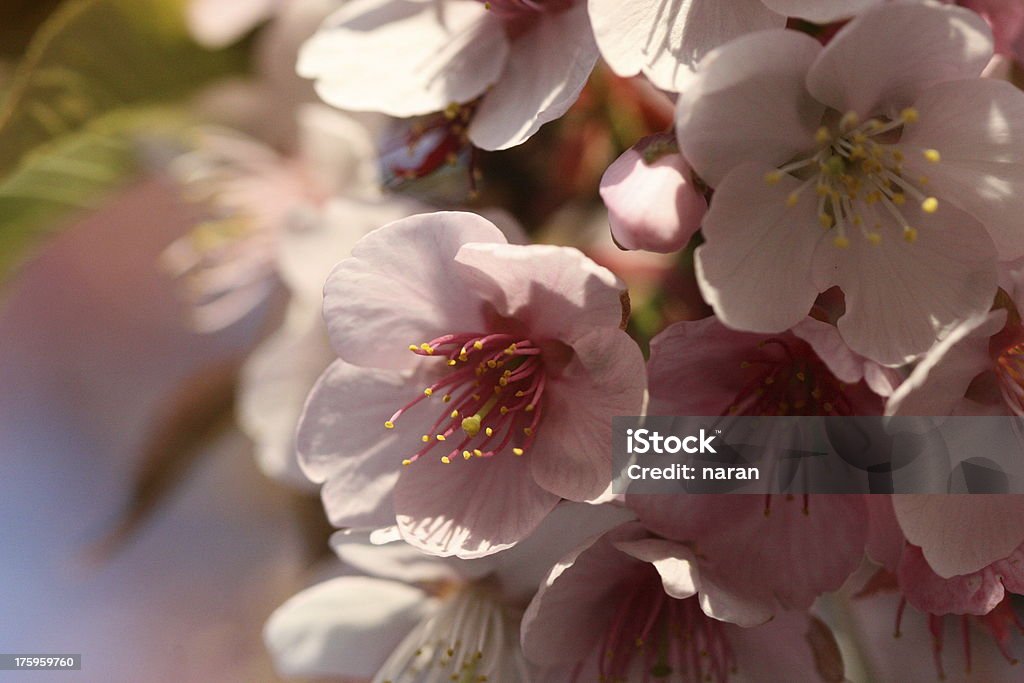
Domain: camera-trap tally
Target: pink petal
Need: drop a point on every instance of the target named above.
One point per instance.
(754, 268)
(960, 534)
(976, 593)
(794, 646)
(761, 72)
(882, 60)
(694, 367)
(885, 538)
(753, 563)
(652, 204)
(939, 382)
(397, 289)
(342, 440)
(578, 592)
(469, 508)
(546, 70)
(403, 57)
(555, 292)
(978, 128)
(572, 454)
(676, 564)
(665, 44)
(901, 297)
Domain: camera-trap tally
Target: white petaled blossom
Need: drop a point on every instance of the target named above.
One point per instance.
(516, 64)
(880, 165)
(423, 619)
(665, 39)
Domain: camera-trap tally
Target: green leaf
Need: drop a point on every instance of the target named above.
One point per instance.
(92, 57)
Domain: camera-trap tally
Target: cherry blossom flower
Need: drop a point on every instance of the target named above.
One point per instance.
(651, 199)
(625, 607)
(665, 40)
(704, 368)
(413, 613)
(525, 61)
(910, 163)
(251, 195)
(218, 23)
(501, 404)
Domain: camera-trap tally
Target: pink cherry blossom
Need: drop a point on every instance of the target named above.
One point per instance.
(704, 368)
(489, 370)
(665, 42)
(625, 607)
(525, 61)
(908, 160)
(651, 199)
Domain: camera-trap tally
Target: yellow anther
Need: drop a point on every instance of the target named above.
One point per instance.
(932, 155)
(478, 345)
(930, 205)
(772, 177)
(492, 364)
(425, 438)
(909, 115)
(822, 136)
(428, 392)
(518, 451)
(897, 155)
(849, 120)
(528, 431)
(899, 199)
(478, 453)
(428, 348)
(841, 241)
(455, 414)
(407, 462)
(462, 356)
(504, 410)
(825, 220)
(801, 376)
(529, 407)
(441, 437)
(466, 455)
(822, 190)
(413, 347)
(471, 425)
(489, 432)
(452, 362)
(510, 350)
(874, 238)
(816, 394)
(792, 199)
(389, 425)
(769, 380)
(923, 181)
(446, 460)
(446, 398)
(909, 234)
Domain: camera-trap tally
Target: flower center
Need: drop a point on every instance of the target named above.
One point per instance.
(653, 635)
(858, 175)
(788, 378)
(492, 395)
(467, 640)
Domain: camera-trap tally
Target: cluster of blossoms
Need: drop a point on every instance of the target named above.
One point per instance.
(843, 182)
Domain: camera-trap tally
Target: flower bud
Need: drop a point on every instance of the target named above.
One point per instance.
(652, 202)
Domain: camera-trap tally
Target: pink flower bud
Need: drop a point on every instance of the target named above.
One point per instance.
(652, 203)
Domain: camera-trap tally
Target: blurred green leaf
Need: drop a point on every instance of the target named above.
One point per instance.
(66, 121)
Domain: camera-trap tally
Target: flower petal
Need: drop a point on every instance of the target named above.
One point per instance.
(216, 24)
(939, 382)
(664, 40)
(960, 534)
(405, 58)
(556, 292)
(977, 126)
(342, 440)
(343, 627)
(572, 454)
(400, 288)
(748, 103)
(882, 60)
(546, 70)
(469, 508)
(752, 269)
(676, 564)
(900, 296)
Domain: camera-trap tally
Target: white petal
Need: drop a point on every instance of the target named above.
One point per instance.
(882, 60)
(546, 70)
(405, 58)
(748, 103)
(215, 23)
(665, 40)
(819, 11)
(343, 627)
